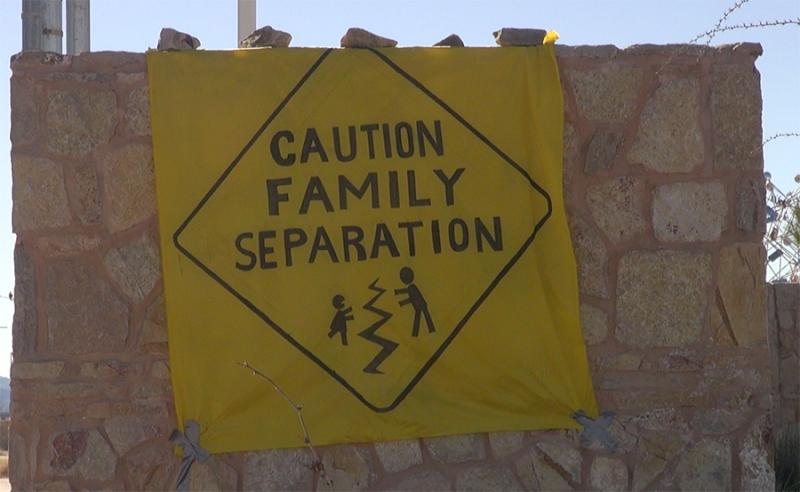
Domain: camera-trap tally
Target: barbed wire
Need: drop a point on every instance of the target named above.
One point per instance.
(733, 8)
(779, 135)
(711, 33)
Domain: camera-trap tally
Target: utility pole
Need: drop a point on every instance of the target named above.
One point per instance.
(246, 14)
(41, 25)
(78, 32)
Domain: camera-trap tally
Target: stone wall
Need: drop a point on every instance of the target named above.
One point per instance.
(784, 331)
(663, 182)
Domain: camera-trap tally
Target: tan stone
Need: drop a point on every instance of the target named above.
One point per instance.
(18, 467)
(135, 267)
(669, 139)
(126, 431)
(278, 469)
(720, 331)
(109, 369)
(736, 117)
(720, 421)
(757, 471)
(750, 206)
(536, 474)
(80, 119)
(487, 477)
(267, 37)
(152, 467)
(591, 257)
(212, 476)
(452, 41)
(154, 327)
(623, 362)
(595, 324)
(82, 452)
(346, 467)
(705, 466)
(691, 211)
(453, 449)
(137, 111)
(662, 297)
(171, 39)
(25, 111)
(38, 193)
(646, 470)
(399, 455)
(564, 455)
(429, 480)
(84, 314)
(160, 369)
(36, 370)
(129, 186)
(25, 323)
(607, 93)
(355, 37)
(609, 474)
(85, 194)
(743, 293)
(602, 151)
(571, 159)
(505, 443)
(616, 206)
(67, 244)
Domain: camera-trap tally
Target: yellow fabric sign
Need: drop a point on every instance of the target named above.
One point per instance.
(381, 232)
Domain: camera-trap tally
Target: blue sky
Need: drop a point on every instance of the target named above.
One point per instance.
(133, 25)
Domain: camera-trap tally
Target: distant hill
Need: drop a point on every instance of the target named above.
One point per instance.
(5, 395)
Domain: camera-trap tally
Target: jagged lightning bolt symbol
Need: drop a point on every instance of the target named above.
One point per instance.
(387, 346)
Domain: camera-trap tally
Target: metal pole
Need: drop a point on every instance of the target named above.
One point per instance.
(41, 25)
(247, 19)
(78, 32)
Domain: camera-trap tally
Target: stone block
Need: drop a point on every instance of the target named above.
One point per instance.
(135, 267)
(25, 323)
(536, 474)
(355, 37)
(154, 327)
(705, 466)
(81, 452)
(505, 443)
(39, 194)
(595, 324)
(36, 370)
(67, 244)
(669, 138)
(278, 469)
(750, 206)
(399, 455)
(171, 39)
(602, 151)
(84, 191)
(565, 456)
(153, 467)
(422, 480)
(451, 41)
(212, 476)
(720, 421)
(84, 314)
(607, 93)
(137, 111)
(487, 477)
(646, 470)
(267, 37)
(78, 120)
(736, 117)
(129, 186)
(571, 160)
(347, 467)
(512, 36)
(616, 205)
(160, 369)
(126, 431)
(743, 293)
(25, 111)
(591, 257)
(609, 474)
(662, 297)
(691, 211)
(454, 449)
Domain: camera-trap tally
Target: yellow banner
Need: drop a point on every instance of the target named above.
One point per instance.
(380, 232)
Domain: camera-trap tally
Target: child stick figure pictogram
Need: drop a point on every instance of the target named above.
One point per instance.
(340, 319)
(416, 299)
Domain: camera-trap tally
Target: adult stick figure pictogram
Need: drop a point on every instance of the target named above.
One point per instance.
(416, 300)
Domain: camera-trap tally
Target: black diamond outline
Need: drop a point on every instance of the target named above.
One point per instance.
(426, 367)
